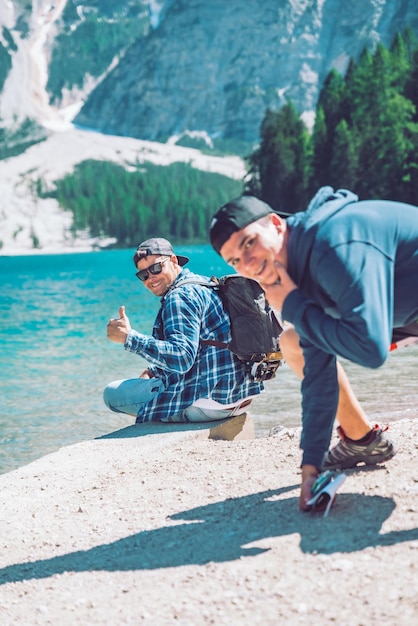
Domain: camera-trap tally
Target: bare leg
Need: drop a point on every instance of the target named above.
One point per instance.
(350, 415)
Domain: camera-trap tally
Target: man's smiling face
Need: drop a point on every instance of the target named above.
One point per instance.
(159, 283)
(253, 250)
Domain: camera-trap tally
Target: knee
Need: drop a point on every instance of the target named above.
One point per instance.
(291, 350)
(109, 396)
(289, 343)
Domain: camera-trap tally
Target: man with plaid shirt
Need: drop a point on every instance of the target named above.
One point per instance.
(186, 380)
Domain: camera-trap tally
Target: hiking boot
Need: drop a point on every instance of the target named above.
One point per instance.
(347, 453)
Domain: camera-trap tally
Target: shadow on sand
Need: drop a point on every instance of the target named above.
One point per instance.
(221, 532)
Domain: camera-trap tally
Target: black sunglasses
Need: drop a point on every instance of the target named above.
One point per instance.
(156, 268)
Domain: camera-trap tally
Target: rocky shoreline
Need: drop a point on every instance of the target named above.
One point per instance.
(158, 524)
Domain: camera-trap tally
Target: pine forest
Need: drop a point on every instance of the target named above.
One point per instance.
(365, 138)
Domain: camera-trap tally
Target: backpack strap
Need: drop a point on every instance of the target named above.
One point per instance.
(213, 283)
(212, 342)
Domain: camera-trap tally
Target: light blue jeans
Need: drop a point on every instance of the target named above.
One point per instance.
(130, 395)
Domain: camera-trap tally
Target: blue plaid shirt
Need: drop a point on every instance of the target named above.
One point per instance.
(188, 369)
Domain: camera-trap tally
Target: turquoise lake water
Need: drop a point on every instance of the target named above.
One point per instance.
(55, 358)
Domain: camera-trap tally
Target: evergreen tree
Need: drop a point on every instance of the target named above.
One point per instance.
(175, 201)
(282, 160)
(365, 135)
(343, 165)
(411, 86)
(252, 182)
(381, 118)
(320, 167)
(400, 60)
(331, 110)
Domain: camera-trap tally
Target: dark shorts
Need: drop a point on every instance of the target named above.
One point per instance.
(405, 331)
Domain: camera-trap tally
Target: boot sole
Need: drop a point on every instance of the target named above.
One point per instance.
(373, 459)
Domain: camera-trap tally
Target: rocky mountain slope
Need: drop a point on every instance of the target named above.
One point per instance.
(216, 66)
(53, 54)
(158, 70)
(152, 69)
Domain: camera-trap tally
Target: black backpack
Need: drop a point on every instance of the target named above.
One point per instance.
(254, 327)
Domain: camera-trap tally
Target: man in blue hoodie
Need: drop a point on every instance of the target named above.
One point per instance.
(344, 274)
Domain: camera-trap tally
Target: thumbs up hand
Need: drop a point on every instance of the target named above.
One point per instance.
(122, 313)
(118, 329)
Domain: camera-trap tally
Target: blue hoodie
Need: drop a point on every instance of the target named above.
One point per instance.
(356, 267)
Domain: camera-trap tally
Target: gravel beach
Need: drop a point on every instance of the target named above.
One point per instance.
(166, 524)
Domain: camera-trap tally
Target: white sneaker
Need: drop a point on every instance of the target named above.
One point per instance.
(199, 414)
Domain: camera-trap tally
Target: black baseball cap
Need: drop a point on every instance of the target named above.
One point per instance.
(157, 245)
(235, 215)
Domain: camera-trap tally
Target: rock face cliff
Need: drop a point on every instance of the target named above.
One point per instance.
(53, 54)
(216, 66)
(153, 69)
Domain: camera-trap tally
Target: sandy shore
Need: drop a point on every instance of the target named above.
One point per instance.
(165, 525)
